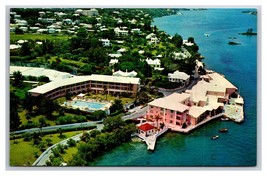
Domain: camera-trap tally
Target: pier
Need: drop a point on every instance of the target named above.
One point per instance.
(150, 140)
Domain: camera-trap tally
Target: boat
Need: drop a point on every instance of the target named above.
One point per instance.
(207, 35)
(223, 130)
(234, 43)
(225, 119)
(215, 137)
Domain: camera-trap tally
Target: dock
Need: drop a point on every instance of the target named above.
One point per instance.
(151, 139)
(234, 112)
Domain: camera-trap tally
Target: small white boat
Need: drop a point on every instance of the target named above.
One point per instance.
(223, 130)
(225, 119)
(215, 137)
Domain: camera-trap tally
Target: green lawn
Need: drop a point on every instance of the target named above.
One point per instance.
(69, 152)
(20, 92)
(34, 119)
(16, 37)
(23, 153)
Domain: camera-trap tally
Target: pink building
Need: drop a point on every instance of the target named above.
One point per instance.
(205, 100)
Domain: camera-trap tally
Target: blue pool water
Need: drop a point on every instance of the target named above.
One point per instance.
(238, 63)
(90, 105)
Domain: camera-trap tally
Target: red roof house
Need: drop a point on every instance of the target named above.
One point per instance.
(146, 127)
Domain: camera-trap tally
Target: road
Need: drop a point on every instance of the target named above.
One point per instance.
(41, 160)
(53, 128)
(138, 113)
(168, 92)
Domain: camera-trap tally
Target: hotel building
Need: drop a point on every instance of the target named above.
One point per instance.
(205, 100)
(94, 83)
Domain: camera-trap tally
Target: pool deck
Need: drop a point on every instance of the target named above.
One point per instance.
(71, 104)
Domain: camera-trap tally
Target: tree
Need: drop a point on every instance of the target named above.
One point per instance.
(111, 123)
(43, 79)
(105, 90)
(18, 31)
(46, 106)
(28, 117)
(25, 49)
(191, 40)
(41, 146)
(18, 78)
(117, 106)
(146, 70)
(82, 33)
(28, 103)
(14, 116)
(48, 141)
(85, 137)
(157, 117)
(97, 115)
(27, 137)
(42, 123)
(177, 40)
(60, 131)
(143, 97)
(71, 143)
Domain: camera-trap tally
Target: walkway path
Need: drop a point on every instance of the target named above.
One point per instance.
(41, 160)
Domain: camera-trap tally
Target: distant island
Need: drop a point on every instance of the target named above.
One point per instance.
(249, 32)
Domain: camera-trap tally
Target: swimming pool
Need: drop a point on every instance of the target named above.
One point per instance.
(88, 106)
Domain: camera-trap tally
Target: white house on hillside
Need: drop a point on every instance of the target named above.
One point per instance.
(113, 61)
(179, 77)
(105, 42)
(154, 63)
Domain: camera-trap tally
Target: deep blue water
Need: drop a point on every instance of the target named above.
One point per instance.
(238, 63)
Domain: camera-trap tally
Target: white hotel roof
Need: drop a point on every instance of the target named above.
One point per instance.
(59, 83)
(78, 79)
(36, 71)
(115, 79)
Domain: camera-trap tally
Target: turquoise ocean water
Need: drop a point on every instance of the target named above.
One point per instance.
(238, 63)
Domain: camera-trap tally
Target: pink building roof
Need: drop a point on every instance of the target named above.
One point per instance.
(145, 127)
(196, 111)
(172, 102)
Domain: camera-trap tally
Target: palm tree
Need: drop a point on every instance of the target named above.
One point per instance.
(48, 141)
(105, 90)
(60, 131)
(157, 117)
